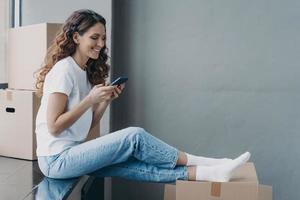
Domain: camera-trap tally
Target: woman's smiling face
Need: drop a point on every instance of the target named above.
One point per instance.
(92, 41)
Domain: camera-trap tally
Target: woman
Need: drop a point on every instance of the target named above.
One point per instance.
(74, 98)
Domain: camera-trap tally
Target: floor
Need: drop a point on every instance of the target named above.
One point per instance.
(17, 178)
(21, 179)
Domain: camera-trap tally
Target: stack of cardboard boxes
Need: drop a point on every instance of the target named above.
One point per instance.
(244, 185)
(27, 47)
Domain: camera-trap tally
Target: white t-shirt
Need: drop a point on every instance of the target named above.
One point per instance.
(68, 78)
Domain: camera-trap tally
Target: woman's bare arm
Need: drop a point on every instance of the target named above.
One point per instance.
(99, 108)
(57, 118)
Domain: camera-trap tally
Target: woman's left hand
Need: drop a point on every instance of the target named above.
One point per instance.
(116, 93)
(118, 90)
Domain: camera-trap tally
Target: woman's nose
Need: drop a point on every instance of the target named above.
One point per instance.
(100, 43)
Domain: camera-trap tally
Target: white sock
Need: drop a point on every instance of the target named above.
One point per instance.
(223, 172)
(198, 160)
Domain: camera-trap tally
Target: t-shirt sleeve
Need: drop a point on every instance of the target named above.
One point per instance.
(60, 81)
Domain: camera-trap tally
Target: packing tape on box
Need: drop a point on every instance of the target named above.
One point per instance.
(9, 95)
(215, 189)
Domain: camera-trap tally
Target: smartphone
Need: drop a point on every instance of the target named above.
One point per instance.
(119, 81)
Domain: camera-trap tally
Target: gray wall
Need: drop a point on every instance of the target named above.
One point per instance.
(214, 78)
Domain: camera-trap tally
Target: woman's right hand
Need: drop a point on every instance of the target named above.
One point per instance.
(100, 93)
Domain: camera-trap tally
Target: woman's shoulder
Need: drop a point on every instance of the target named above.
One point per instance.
(61, 70)
(62, 66)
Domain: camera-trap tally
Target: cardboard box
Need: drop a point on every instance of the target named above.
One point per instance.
(27, 47)
(243, 186)
(18, 109)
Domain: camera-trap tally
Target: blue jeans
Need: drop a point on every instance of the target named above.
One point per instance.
(131, 153)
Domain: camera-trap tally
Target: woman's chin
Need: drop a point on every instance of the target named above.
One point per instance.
(94, 56)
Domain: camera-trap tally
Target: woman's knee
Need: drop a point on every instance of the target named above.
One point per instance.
(134, 129)
(133, 132)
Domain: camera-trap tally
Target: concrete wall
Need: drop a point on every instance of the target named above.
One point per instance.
(213, 78)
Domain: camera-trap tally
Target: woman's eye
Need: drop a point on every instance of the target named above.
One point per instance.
(93, 38)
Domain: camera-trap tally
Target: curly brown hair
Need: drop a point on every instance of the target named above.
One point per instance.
(63, 46)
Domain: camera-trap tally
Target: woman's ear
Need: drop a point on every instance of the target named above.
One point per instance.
(76, 37)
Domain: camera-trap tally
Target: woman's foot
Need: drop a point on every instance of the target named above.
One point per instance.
(219, 173)
(193, 160)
